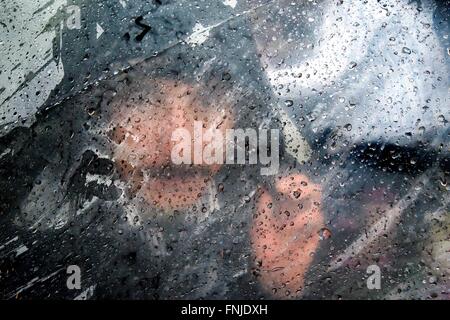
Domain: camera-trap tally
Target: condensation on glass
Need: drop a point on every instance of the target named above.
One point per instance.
(356, 93)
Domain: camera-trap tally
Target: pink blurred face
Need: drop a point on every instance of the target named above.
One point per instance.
(285, 234)
(141, 129)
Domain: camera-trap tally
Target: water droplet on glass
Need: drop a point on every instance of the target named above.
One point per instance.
(324, 233)
(406, 50)
(289, 103)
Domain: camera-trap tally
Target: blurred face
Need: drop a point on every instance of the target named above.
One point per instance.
(286, 233)
(141, 128)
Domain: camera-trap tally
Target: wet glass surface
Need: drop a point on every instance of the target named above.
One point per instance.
(94, 93)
